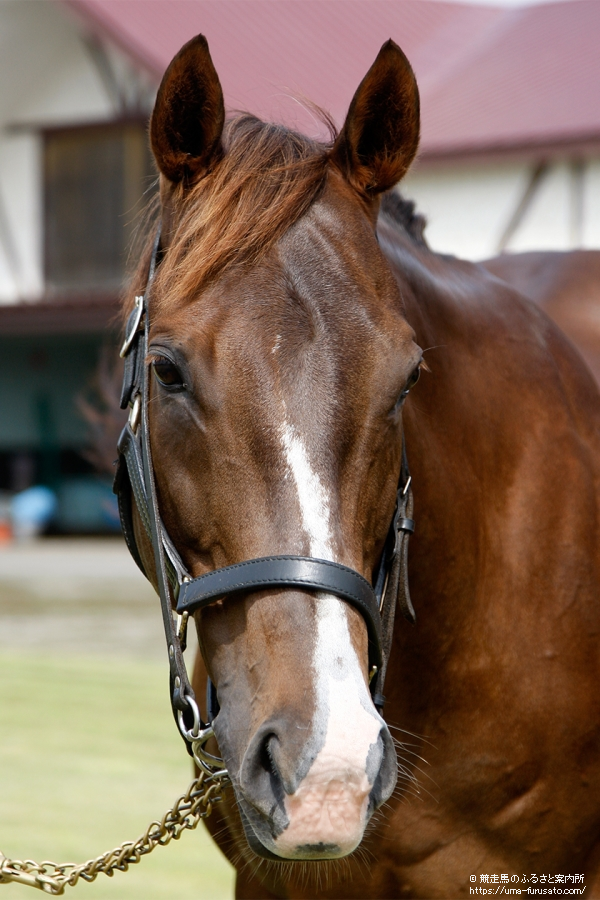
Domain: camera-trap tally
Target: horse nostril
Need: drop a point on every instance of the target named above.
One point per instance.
(382, 768)
(268, 770)
(271, 763)
(267, 756)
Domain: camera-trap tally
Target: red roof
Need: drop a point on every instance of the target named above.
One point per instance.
(533, 78)
(491, 78)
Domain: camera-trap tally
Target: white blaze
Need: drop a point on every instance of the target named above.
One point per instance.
(314, 502)
(330, 804)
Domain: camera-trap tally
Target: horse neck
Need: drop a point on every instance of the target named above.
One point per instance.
(442, 303)
(481, 432)
(456, 472)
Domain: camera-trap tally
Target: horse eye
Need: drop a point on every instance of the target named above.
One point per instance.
(167, 373)
(413, 379)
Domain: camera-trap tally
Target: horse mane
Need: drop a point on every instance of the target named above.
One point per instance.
(266, 178)
(403, 212)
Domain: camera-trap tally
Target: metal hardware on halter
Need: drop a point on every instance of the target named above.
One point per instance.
(198, 737)
(193, 733)
(134, 415)
(206, 762)
(133, 326)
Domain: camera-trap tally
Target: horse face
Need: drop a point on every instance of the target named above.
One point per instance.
(275, 419)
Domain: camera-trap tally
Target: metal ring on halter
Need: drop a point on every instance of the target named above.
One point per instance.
(139, 308)
(206, 761)
(197, 738)
(194, 733)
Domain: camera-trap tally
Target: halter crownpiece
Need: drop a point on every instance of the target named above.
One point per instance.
(134, 483)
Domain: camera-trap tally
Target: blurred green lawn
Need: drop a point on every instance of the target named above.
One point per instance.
(89, 755)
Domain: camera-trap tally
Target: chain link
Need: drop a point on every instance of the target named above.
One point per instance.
(197, 803)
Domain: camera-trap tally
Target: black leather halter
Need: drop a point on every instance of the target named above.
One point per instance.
(134, 483)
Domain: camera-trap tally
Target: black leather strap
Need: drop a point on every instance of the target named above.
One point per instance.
(130, 480)
(123, 489)
(391, 588)
(130, 450)
(301, 572)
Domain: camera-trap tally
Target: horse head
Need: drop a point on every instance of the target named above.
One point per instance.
(281, 358)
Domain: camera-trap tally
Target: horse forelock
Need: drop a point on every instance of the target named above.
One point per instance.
(265, 180)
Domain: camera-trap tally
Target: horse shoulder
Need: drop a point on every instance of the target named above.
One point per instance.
(566, 286)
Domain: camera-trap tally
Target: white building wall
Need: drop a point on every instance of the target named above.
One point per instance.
(20, 216)
(591, 206)
(48, 76)
(469, 205)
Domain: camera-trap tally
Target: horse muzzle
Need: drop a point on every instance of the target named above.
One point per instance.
(299, 803)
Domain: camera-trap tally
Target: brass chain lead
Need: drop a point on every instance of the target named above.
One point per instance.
(197, 803)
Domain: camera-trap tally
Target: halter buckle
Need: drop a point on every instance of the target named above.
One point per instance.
(134, 324)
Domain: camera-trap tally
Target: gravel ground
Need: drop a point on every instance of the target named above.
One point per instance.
(83, 595)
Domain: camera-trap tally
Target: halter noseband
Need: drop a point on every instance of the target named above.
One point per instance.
(134, 482)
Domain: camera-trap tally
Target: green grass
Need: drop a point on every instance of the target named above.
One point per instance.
(89, 755)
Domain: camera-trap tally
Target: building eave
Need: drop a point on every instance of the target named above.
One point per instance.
(95, 314)
(582, 147)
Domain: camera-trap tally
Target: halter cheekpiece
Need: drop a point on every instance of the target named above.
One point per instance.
(134, 482)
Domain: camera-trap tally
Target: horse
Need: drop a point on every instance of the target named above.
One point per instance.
(294, 305)
(567, 287)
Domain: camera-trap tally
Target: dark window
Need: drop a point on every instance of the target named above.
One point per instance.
(96, 181)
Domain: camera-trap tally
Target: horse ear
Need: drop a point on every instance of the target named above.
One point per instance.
(380, 136)
(187, 121)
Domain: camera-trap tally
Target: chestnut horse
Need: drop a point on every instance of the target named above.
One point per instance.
(288, 313)
(566, 286)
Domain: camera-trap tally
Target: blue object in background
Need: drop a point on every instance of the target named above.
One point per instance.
(32, 510)
(86, 505)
